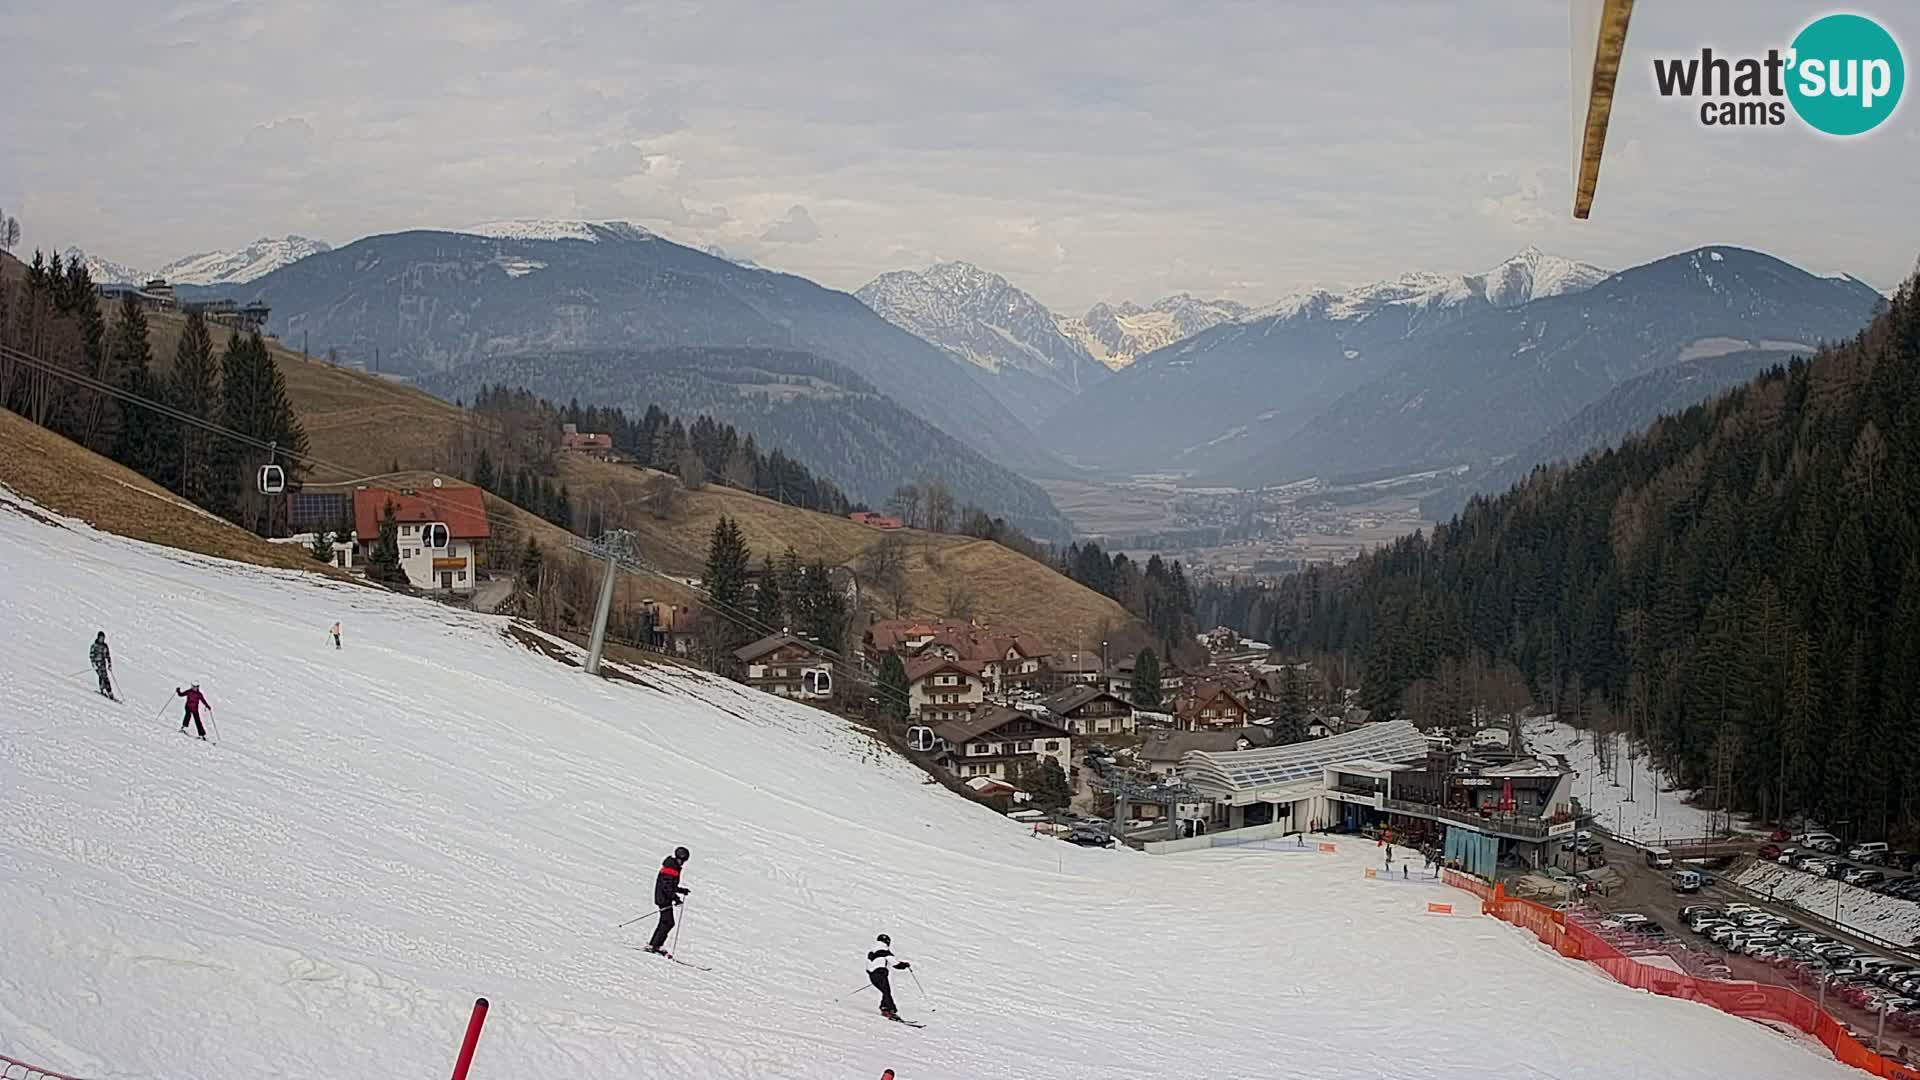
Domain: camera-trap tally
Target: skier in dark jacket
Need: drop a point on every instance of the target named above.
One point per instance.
(879, 959)
(195, 699)
(102, 663)
(667, 892)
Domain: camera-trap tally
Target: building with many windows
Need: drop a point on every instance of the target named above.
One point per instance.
(999, 742)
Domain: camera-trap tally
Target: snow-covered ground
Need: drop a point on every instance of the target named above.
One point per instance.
(1861, 910)
(1646, 818)
(435, 813)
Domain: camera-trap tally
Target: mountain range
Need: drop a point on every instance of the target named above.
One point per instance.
(1010, 339)
(1429, 370)
(235, 266)
(1211, 400)
(1628, 408)
(1117, 335)
(1488, 386)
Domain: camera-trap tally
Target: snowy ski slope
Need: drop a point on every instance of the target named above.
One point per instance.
(436, 813)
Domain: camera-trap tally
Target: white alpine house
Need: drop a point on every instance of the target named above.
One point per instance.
(435, 813)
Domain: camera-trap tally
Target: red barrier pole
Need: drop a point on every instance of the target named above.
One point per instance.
(472, 1040)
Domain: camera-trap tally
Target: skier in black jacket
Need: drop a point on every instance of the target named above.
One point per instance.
(879, 958)
(667, 892)
(102, 661)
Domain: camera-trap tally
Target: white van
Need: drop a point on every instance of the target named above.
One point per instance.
(1869, 852)
(1686, 881)
(1821, 841)
(1659, 858)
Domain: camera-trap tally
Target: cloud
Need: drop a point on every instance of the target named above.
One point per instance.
(796, 228)
(1088, 151)
(281, 142)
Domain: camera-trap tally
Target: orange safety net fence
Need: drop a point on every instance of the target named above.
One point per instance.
(1754, 1001)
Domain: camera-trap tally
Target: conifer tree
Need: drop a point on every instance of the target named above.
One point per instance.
(726, 578)
(1146, 680)
(383, 562)
(192, 390)
(769, 602)
(893, 691)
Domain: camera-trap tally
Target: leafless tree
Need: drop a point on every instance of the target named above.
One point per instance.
(958, 599)
(9, 232)
(693, 471)
(906, 504)
(884, 566)
(938, 500)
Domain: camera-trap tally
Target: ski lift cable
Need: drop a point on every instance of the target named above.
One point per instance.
(212, 427)
(746, 621)
(735, 615)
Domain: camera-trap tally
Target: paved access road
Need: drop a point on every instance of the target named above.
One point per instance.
(1650, 892)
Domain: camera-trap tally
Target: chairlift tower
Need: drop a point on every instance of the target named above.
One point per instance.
(613, 546)
(1129, 787)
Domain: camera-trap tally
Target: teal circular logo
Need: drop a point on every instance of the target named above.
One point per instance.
(1846, 74)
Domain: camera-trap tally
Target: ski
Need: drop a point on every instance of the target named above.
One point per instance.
(665, 955)
(909, 1023)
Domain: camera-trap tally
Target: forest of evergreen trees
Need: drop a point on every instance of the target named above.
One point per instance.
(1738, 587)
(1156, 591)
(107, 394)
(705, 451)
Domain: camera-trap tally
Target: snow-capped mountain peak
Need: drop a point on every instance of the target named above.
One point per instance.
(1528, 275)
(258, 259)
(981, 317)
(1116, 334)
(104, 271)
(234, 267)
(559, 229)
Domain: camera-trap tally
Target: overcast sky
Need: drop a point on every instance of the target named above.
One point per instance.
(1088, 150)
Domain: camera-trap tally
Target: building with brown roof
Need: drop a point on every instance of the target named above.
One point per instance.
(1089, 710)
(1208, 706)
(439, 532)
(1007, 659)
(941, 690)
(999, 742)
(788, 666)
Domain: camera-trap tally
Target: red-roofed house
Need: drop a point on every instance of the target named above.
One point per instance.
(873, 520)
(460, 509)
(572, 438)
(1005, 658)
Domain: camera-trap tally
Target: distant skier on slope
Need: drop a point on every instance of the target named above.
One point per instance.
(102, 663)
(195, 699)
(879, 959)
(336, 635)
(667, 892)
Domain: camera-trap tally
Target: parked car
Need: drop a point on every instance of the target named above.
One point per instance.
(1863, 876)
(1770, 852)
(1821, 841)
(1869, 852)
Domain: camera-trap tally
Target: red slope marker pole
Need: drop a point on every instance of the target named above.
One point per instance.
(472, 1039)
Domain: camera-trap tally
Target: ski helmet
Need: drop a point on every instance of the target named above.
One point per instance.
(884, 940)
(682, 854)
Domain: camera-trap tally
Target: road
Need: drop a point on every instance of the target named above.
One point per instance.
(1650, 892)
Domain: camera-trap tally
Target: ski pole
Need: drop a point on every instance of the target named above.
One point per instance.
(850, 993)
(213, 728)
(637, 918)
(677, 925)
(931, 1007)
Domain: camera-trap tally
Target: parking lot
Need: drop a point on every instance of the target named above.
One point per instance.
(1763, 942)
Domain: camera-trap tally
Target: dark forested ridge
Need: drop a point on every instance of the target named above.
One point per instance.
(814, 409)
(1739, 585)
